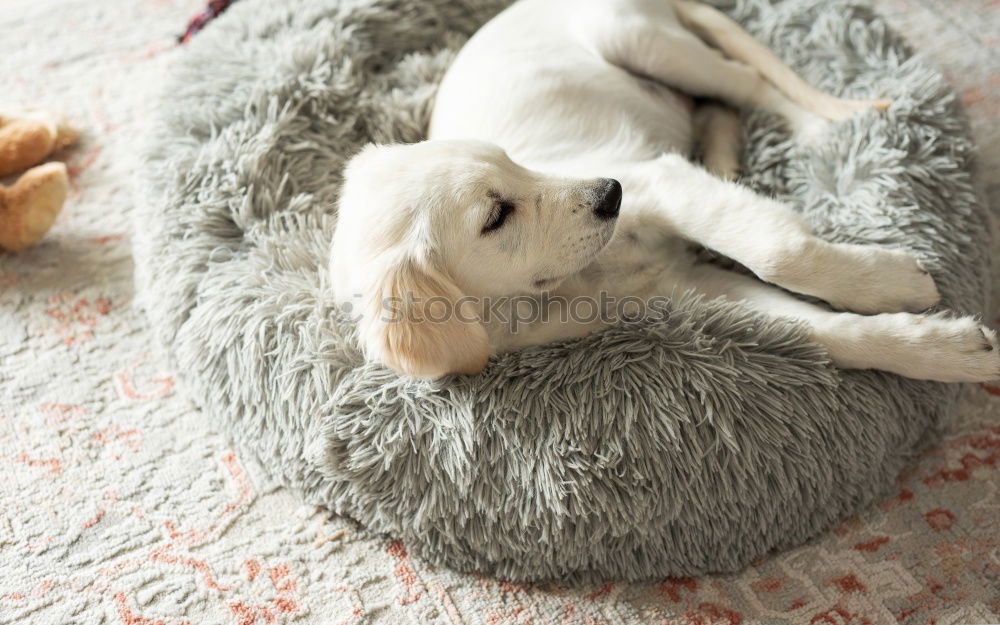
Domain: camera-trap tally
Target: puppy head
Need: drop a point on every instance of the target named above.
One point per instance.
(426, 230)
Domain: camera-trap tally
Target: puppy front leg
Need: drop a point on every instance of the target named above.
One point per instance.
(916, 346)
(770, 239)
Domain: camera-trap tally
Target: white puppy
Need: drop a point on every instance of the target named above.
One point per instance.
(557, 170)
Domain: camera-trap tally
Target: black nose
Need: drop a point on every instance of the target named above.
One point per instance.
(609, 199)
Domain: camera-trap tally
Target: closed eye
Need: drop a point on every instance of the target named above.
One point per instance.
(502, 209)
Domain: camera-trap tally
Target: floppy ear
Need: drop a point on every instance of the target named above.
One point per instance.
(418, 322)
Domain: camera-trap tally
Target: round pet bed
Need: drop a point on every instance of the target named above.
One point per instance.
(694, 444)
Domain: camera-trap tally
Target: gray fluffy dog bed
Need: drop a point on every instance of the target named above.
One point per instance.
(693, 444)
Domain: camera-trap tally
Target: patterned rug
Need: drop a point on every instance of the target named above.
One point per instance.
(122, 505)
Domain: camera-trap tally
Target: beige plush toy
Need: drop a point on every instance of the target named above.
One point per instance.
(30, 205)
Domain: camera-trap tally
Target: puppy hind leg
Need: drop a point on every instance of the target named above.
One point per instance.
(675, 57)
(656, 46)
(719, 139)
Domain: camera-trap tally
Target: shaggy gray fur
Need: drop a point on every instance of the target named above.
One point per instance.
(693, 444)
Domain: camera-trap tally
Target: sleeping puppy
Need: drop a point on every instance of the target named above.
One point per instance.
(557, 173)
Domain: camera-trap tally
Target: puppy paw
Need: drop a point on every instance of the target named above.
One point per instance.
(946, 350)
(808, 129)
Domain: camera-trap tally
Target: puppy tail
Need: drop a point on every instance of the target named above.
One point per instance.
(720, 31)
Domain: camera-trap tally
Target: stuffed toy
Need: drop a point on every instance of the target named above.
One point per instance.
(32, 203)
